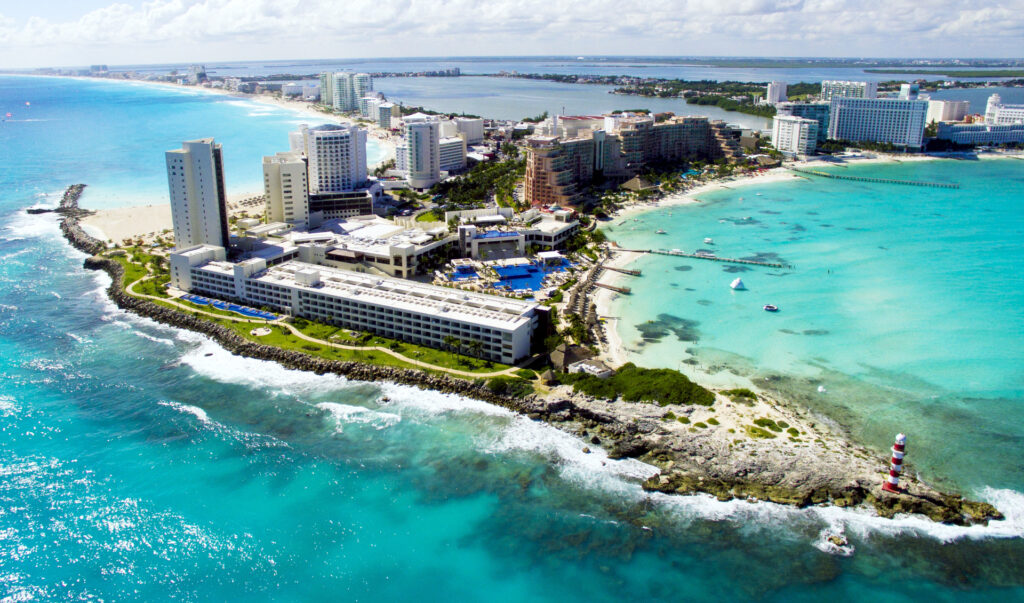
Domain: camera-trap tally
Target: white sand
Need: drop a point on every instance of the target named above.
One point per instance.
(129, 222)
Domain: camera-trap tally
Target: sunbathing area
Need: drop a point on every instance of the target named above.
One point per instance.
(515, 277)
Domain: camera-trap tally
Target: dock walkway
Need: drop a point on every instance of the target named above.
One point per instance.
(877, 180)
(702, 256)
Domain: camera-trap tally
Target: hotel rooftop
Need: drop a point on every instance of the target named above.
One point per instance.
(399, 294)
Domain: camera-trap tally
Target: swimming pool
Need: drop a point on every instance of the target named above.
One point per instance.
(528, 276)
(229, 307)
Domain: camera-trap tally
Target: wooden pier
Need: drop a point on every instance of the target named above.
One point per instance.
(628, 271)
(877, 180)
(713, 258)
(614, 288)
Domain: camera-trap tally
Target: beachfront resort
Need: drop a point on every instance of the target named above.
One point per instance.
(523, 254)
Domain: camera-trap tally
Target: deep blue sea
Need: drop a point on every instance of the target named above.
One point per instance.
(140, 462)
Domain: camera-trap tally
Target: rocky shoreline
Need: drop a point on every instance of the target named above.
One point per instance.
(832, 471)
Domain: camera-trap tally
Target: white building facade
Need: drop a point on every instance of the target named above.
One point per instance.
(472, 128)
(776, 93)
(883, 120)
(195, 180)
(816, 111)
(944, 110)
(349, 88)
(286, 190)
(422, 139)
(395, 308)
(981, 134)
(996, 113)
(835, 88)
(336, 155)
(452, 153)
(793, 135)
(386, 113)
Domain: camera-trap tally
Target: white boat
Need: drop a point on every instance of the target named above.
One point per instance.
(738, 285)
(708, 241)
(660, 231)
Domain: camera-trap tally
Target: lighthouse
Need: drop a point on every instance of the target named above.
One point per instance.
(892, 482)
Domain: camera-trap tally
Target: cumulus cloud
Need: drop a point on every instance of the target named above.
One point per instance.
(894, 27)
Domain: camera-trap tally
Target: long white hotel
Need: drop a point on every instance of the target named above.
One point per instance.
(390, 307)
(897, 121)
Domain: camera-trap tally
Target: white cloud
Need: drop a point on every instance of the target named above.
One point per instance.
(416, 27)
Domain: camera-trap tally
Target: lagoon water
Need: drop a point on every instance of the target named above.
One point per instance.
(140, 462)
(903, 302)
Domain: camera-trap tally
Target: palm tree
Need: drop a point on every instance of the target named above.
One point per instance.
(450, 341)
(475, 348)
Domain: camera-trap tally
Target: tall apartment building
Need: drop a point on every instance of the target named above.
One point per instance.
(835, 88)
(327, 89)
(195, 180)
(285, 189)
(336, 156)
(997, 113)
(472, 128)
(421, 147)
(349, 88)
(815, 111)
(943, 110)
(895, 121)
(909, 91)
(452, 153)
(776, 93)
(793, 135)
(549, 177)
(386, 112)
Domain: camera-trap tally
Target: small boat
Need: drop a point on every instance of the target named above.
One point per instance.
(738, 285)
(709, 241)
(758, 194)
(771, 308)
(660, 231)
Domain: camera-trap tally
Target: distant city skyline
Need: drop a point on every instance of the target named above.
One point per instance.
(71, 33)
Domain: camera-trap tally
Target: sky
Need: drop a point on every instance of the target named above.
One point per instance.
(82, 32)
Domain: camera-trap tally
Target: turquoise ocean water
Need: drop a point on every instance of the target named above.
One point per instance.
(139, 462)
(903, 302)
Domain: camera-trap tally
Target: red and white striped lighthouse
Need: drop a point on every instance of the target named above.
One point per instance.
(892, 483)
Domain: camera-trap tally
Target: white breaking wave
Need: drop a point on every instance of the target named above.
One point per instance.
(149, 337)
(195, 411)
(30, 226)
(212, 361)
(587, 469)
(345, 414)
(431, 403)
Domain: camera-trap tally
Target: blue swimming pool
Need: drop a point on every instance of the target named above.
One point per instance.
(229, 307)
(528, 277)
(463, 273)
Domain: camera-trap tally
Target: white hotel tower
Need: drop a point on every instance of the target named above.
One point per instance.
(336, 154)
(422, 150)
(195, 179)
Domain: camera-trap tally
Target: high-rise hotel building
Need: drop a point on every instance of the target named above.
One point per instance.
(195, 180)
(887, 120)
(835, 88)
(422, 151)
(336, 155)
(794, 135)
(348, 88)
(285, 189)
